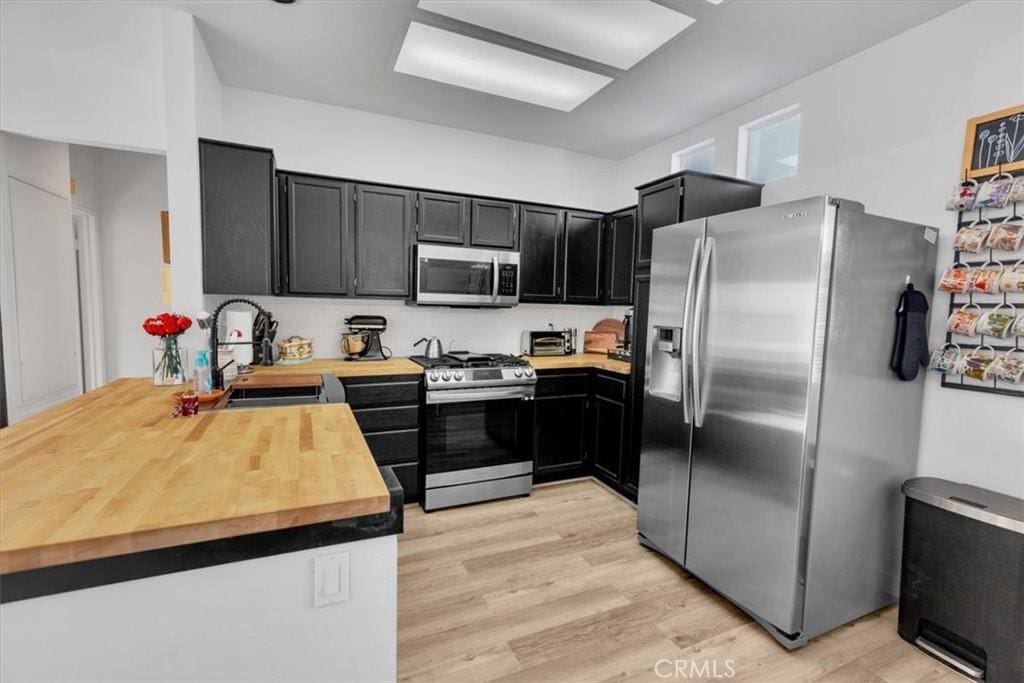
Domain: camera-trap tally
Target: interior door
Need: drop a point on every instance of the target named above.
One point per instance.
(759, 323)
(667, 415)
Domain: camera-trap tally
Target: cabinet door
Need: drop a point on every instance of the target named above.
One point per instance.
(560, 425)
(238, 202)
(494, 224)
(383, 226)
(441, 218)
(541, 233)
(641, 299)
(316, 219)
(658, 205)
(619, 249)
(583, 242)
(609, 425)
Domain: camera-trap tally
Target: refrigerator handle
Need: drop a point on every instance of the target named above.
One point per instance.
(691, 278)
(698, 328)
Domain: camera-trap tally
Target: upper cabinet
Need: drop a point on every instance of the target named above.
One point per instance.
(541, 240)
(620, 233)
(685, 196)
(494, 224)
(383, 240)
(582, 281)
(239, 226)
(442, 218)
(315, 220)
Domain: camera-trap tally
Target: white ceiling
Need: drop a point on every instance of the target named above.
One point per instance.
(344, 52)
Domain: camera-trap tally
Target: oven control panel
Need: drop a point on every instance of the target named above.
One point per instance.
(438, 378)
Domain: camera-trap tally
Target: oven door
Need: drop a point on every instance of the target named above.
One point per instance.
(457, 276)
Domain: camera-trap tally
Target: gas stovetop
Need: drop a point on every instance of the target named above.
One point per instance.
(465, 370)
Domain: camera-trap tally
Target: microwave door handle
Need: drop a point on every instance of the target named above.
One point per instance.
(494, 278)
(691, 279)
(698, 325)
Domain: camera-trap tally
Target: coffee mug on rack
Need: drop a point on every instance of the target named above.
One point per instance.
(1008, 367)
(956, 279)
(1012, 280)
(972, 238)
(985, 278)
(997, 322)
(964, 321)
(946, 359)
(962, 196)
(994, 193)
(1017, 191)
(1005, 237)
(1017, 330)
(975, 365)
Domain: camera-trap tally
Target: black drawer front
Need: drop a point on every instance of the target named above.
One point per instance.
(387, 419)
(610, 387)
(367, 395)
(409, 477)
(563, 384)
(389, 448)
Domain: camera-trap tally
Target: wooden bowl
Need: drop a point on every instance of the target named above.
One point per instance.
(204, 399)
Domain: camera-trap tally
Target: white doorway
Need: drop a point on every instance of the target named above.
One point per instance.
(90, 297)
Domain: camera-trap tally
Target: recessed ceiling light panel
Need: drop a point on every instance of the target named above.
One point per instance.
(615, 32)
(455, 59)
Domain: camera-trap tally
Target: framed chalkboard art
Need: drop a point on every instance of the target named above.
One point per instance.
(994, 143)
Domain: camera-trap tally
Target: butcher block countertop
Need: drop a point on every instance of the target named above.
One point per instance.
(579, 361)
(396, 365)
(110, 473)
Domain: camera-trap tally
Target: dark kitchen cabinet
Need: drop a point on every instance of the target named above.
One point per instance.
(383, 234)
(631, 456)
(442, 218)
(387, 410)
(684, 196)
(583, 251)
(620, 234)
(560, 425)
(314, 215)
(238, 208)
(609, 417)
(494, 224)
(541, 240)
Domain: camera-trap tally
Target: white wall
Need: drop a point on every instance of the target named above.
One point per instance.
(87, 72)
(126, 191)
(245, 621)
(886, 127)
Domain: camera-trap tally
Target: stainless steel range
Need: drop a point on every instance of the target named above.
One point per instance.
(479, 428)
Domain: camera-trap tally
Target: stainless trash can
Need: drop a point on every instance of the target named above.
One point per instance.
(962, 582)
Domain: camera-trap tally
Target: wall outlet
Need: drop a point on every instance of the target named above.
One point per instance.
(330, 579)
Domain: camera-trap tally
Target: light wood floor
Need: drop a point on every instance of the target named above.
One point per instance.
(554, 587)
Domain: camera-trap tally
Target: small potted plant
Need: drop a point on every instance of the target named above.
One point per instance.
(168, 366)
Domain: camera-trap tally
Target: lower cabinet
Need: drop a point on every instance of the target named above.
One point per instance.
(582, 428)
(387, 410)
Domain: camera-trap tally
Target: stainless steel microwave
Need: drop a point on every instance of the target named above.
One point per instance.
(462, 276)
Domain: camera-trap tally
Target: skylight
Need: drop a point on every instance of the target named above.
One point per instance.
(615, 32)
(455, 59)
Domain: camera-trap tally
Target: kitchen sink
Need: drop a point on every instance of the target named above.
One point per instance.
(329, 390)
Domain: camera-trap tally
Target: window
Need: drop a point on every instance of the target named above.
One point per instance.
(769, 147)
(699, 157)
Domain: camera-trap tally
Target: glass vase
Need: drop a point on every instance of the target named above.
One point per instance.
(169, 363)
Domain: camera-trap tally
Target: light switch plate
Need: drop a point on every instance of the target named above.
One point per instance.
(330, 579)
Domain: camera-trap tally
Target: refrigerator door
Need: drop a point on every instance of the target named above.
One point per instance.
(759, 333)
(667, 410)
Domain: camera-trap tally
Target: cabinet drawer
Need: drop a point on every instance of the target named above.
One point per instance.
(393, 447)
(612, 388)
(563, 384)
(370, 394)
(387, 419)
(409, 477)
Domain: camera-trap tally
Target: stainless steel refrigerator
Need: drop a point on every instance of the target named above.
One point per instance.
(775, 437)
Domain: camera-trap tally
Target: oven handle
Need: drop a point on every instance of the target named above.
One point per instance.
(466, 395)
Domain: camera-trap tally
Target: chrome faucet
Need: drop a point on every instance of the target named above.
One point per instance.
(266, 356)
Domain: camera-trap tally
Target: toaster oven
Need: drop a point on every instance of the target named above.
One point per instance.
(547, 343)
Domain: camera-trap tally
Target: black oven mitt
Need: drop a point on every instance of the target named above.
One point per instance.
(910, 343)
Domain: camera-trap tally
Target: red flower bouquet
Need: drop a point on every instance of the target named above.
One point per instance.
(168, 367)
